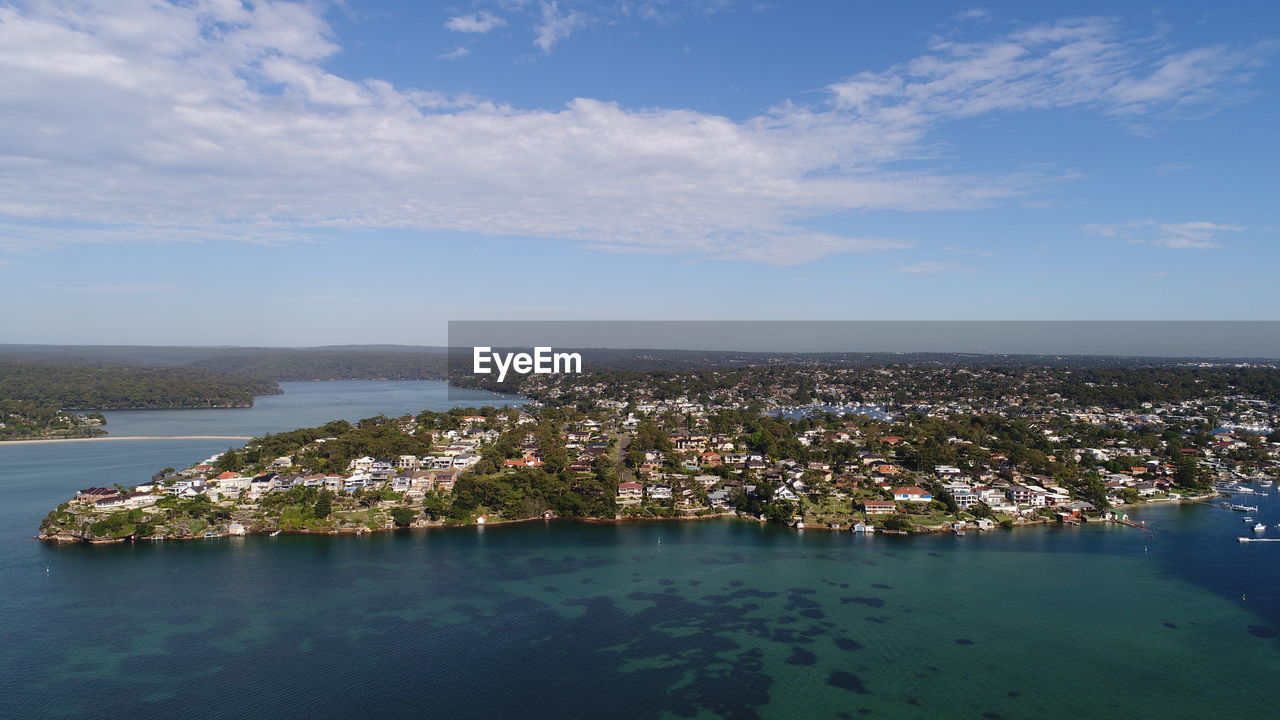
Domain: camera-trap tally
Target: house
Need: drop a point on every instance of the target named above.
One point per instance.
(964, 496)
(420, 479)
(660, 492)
(130, 500)
(466, 460)
(912, 494)
(233, 483)
(879, 507)
(526, 461)
(444, 480)
(1025, 495)
(94, 494)
(261, 484)
(630, 493)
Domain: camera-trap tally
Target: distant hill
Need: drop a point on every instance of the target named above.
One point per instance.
(82, 386)
(337, 362)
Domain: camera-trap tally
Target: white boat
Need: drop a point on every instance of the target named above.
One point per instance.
(1247, 519)
(1259, 527)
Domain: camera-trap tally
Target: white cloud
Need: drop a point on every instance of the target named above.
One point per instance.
(1185, 235)
(150, 122)
(459, 52)
(925, 268)
(478, 22)
(976, 14)
(1082, 62)
(556, 25)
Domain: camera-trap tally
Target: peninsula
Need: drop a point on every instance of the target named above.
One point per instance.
(891, 448)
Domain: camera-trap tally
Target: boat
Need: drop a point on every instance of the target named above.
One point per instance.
(1244, 508)
(277, 532)
(1259, 527)
(1247, 519)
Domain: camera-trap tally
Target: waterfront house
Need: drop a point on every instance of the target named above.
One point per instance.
(130, 500)
(630, 493)
(660, 492)
(879, 507)
(94, 494)
(1027, 495)
(912, 494)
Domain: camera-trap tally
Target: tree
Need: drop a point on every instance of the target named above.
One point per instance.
(897, 522)
(403, 516)
(435, 506)
(230, 461)
(324, 504)
(1187, 472)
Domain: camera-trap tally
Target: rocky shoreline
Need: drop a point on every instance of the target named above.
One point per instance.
(65, 538)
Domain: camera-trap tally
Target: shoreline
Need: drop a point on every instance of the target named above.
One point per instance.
(74, 540)
(126, 437)
(59, 539)
(268, 532)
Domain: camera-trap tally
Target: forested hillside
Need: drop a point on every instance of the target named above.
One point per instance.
(337, 362)
(109, 387)
(328, 364)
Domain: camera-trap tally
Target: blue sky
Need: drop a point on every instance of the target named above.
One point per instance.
(300, 174)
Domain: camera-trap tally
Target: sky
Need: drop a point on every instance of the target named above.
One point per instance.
(283, 173)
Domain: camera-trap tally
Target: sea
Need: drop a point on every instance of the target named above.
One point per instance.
(555, 619)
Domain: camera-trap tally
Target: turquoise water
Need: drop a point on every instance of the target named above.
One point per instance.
(700, 619)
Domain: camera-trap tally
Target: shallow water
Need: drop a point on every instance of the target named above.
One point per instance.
(718, 618)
